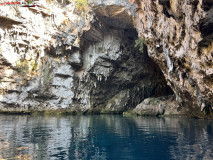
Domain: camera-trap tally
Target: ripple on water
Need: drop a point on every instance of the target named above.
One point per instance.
(104, 137)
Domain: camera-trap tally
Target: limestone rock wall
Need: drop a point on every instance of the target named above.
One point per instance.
(35, 72)
(54, 57)
(178, 34)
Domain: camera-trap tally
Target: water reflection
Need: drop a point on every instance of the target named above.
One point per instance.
(104, 137)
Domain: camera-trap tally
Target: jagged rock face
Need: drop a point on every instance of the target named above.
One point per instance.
(91, 64)
(179, 36)
(31, 78)
(76, 62)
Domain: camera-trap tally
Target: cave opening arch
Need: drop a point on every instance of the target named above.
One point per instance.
(117, 75)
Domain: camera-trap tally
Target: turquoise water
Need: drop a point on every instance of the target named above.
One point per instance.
(104, 137)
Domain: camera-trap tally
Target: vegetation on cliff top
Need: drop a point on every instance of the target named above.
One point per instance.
(81, 5)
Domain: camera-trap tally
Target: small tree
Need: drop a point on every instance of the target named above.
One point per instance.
(81, 5)
(139, 43)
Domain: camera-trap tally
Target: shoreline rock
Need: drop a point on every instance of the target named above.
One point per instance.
(159, 106)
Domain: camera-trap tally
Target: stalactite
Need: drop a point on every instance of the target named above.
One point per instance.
(168, 59)
(30, 40)
(5, 35)
(95, 84)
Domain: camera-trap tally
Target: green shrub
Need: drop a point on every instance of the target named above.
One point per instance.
(26, 67)
(22, 67)
(81, 5)
(139, 43)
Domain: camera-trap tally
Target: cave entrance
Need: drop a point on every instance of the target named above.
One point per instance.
(119, 74)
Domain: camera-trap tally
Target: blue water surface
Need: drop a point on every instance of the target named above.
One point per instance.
(103, 137)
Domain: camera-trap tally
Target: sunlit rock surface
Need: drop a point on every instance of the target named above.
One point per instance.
(55, 57)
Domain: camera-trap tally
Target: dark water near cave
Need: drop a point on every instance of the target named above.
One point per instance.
(104, 137)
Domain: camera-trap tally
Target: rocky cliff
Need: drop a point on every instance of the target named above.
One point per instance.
(179, 37)
(96, 58)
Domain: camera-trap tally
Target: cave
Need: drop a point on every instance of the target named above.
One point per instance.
(118, 73)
